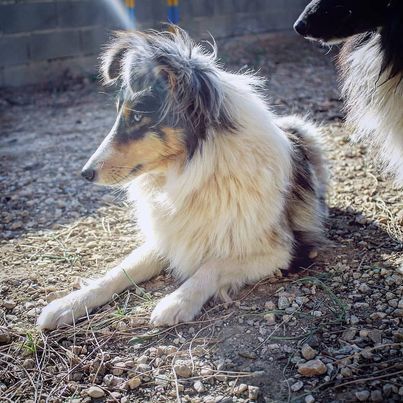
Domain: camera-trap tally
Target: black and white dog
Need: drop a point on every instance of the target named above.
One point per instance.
(371, 66)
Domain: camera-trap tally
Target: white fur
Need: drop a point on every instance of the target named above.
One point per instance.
(375, 105)
(218, 222)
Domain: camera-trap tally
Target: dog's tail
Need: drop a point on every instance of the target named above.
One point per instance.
(306, 208)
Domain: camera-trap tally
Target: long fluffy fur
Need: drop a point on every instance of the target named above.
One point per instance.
(373, 92)
(371, 65)
(247, 201)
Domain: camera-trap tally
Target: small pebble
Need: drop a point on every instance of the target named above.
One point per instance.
(134, 383)
(297, 386)
(94, 392)
(309, 399)
(312, 368)
(199, 387)
(362, 395)
(308, 352)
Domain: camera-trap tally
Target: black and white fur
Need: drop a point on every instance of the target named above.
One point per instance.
(224, 192)
(371, 67)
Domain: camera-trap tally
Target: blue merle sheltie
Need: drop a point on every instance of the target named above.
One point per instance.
(371, 66)
(224, 192)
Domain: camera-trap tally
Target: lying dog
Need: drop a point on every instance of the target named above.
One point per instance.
(224, 193)
(371, 66)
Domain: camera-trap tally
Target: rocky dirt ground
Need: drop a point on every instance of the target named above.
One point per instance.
(331, 333)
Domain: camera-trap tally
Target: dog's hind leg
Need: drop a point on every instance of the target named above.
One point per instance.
(212, 278)
(142, 264)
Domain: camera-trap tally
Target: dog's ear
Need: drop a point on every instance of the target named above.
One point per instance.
(192, 83)
(111, 58)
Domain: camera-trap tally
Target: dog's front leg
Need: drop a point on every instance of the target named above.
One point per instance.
(187, 301)
(142, 264)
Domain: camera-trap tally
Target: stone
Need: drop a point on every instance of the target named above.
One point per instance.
(297, 386)
(238, 390)
(95, 392)
(253, 392)
(29, 363)
(349, 334)
(354, 320)
(308, 352)
(362, 395)
(183, 369)
(283, 302)
(312, 368)
(270, 318)
(134, 383)
(376, 396)
(375, 335)
(9, 304)
(5, 336)
(199, 387)
(309, 399)
(270, 306)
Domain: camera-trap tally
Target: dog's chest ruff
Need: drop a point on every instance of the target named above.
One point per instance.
(216, 210)
(375, 104)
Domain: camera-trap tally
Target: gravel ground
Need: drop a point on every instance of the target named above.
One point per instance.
(331, 333)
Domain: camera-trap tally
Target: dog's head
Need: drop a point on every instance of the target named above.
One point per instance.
(169, 100)
(333, 21)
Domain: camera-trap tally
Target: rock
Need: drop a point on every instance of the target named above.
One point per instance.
(308, 352)
(312, 368)
(32, 313)
(238, 390)
(112, 380)
(283, 302)
(309, 399)
(183, 369)
(270, 306)
(346, 372)
(253, 392)
(401, 391)
(362, 395)
(162, 379)
(29, 363)
(205, 371)
(297, 386)
(375, 335)
(354, 320)
(142, 359)
(270, 318)
(5, 336)
(387, 389)
(349, 334)
(134, 383)
(118, 368)
(94, 392)
(199, 387)
(9, 304)
(376, 396)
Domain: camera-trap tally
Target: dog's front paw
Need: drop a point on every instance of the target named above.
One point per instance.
(64, 311)
(173, 309)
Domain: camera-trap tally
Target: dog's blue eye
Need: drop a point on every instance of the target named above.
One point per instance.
(137, 117)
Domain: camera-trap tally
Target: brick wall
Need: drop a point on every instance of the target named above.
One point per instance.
(43, 40)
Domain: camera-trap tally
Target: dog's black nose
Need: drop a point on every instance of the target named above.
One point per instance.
(301, 27)
(88, 174)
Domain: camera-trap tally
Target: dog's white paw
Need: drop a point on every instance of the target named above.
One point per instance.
(64, 311)
(173, 309)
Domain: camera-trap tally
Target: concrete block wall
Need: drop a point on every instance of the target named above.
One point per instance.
(44, 40)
